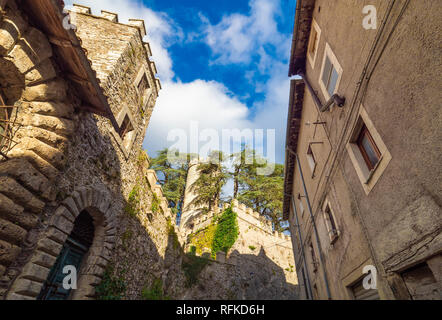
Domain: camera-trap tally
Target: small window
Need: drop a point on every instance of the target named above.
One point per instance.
(330, 222)
(143, 85)
(311, 159)
(367, 151)
(368, 148)
(360, 293)
(126, 127)
(301, 208)
(315, 34)
(330, 74)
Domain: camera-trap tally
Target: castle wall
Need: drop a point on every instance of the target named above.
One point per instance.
(65, 161)
(260, 265)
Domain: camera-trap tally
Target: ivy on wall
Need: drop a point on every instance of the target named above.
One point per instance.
(226, 232)
(154, 292)
(111, 287)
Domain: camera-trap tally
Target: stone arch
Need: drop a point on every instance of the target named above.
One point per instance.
(97, 202)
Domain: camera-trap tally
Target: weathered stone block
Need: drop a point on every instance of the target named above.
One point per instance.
(70, 204)
(49, 246)
(12, 27)
(8, 252)
(26, 287)
(56, 235)
(61, 222)
(54, 90)
(29, 52)
(15, 296)
(43, 72)
(35, 272)
(24, 172)
(15, 191)
(55, 109)
(43, 259)
(11, 232)
(55, 124)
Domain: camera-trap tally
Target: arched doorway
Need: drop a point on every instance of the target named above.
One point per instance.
(74, 250)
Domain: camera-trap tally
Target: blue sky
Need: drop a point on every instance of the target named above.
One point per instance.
(222, 64)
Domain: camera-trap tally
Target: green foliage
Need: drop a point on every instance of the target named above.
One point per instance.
(212, 177)
(133, 201)
(252, 248)
(262, 193)
(226, 232)
(173, 234)
(142, 158)
(172, 175)
(155, 206)
(111, 287)
(193, 250)
(155, 292)
(202, 239)
(192, 267)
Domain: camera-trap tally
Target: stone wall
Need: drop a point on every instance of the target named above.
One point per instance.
(65, 161)
(260, 265)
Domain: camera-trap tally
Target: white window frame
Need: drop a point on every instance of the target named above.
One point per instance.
(368, 178)
(143, 95)
(126, 144)
(312, 57)
(333, 236)
(335, 64)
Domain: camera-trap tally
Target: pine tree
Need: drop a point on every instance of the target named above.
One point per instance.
(172, 177)
(208, 187)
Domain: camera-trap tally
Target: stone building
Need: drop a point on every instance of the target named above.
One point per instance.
(363, 160)
(260, 264)
(75, 188)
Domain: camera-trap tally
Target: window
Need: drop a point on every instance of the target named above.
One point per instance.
(368, 148)
(330, 74)
(126, 136)
(315, 35)
(367, 151)
(422, 280)
(126, 127)
(143, 85)
(301, 208)
(330, 223)
(311, 159)
(360, 293)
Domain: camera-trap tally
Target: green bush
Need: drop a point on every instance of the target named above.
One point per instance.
(133, 201)
(252, 248)
(155, 206)
(110, 287)
(155, 292)
(226, 232)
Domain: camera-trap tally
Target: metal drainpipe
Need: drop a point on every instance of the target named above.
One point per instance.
(309, 287)
(314, 225)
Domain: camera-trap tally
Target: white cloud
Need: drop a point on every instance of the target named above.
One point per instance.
(206, 102)
(236, 39)
(162, 32)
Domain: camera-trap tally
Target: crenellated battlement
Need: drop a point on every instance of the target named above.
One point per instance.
(139, 24)
(245, 215)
